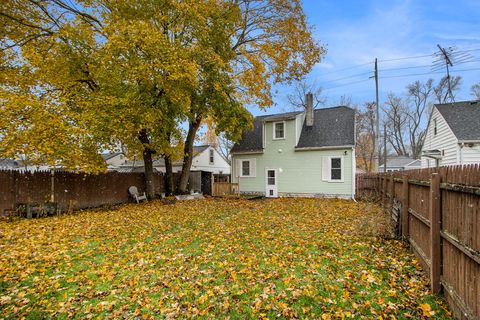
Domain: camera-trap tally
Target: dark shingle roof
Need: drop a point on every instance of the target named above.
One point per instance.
(332, 127)
(251, 139)
(198, 149)
(463, 118)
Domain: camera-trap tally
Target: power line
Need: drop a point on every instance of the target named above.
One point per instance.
(426, 73)
(468, 49)
(407, 58)
(349, 68)
(403, 68)
(346, 84)
(349, 77)
(398, 76)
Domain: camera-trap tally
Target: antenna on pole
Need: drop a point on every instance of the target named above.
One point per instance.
(446, 58)
(448, 62)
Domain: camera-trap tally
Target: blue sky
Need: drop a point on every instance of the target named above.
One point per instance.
(357, 32)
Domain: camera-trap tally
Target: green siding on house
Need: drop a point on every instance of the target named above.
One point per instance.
(297, 171)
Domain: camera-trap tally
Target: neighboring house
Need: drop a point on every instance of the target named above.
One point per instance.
(9, 164)
(308, 153)
(205, 158)
(114, 160)
(453, 135)
(401, 163)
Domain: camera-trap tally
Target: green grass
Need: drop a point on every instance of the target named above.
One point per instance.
(285, 258)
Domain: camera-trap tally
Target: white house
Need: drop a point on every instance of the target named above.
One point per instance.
(453, 135)
(205, 158)
(302, 154)
(114, 160)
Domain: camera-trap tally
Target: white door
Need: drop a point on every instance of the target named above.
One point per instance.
(272, 191)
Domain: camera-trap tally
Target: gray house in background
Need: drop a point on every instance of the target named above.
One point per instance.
(400, 164)
(10, 164)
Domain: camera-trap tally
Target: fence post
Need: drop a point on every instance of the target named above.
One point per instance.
(384, 191)
(435, 238)
(405, 205)
(392, 190)
(238, 185)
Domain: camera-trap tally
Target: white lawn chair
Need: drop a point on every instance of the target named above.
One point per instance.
(134, 193)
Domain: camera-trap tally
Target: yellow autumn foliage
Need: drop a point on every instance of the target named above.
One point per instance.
(237, 259)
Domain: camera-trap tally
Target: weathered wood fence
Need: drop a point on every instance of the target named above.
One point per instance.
(437, 212)
(225, 188)
(71, 191)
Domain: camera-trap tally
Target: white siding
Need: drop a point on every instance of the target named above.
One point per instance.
(202, 162)
(444, 140)
(298, 126)
(471, 154)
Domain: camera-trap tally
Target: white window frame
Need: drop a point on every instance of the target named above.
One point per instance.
(327, 171)
(275, 132)
(252, 169)
(211, 156)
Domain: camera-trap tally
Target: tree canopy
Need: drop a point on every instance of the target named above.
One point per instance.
(79, 77)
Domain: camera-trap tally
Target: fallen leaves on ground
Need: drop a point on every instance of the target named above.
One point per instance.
(283, 258)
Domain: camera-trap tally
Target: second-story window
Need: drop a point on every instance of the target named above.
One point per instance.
(279, 130)
(211, 156)
(435, 127)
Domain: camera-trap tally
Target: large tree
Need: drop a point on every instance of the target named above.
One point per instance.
(271, 44)
(76, 81)
(79, 77)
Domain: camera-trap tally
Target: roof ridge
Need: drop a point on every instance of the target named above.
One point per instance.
(471, 102)
(336, 107)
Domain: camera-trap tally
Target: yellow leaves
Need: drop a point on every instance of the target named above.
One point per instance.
(285, 258)
(427, 310)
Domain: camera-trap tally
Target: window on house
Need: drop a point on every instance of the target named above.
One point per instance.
(434, 126)
(246, 168)
(279, 130)
(336, 168)
(211, 156)
(271, 177)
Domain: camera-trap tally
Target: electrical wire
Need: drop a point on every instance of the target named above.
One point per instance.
(345, 84)
(427, 73)
(349, 77)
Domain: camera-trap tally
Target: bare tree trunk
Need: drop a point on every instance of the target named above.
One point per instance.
(148, 163)
(188, 154)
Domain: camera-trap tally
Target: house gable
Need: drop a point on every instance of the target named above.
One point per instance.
(332, 127)
(443, 140)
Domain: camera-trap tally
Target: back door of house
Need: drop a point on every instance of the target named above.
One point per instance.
(272, 191)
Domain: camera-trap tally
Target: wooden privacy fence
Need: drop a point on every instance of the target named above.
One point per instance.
(69, 190)
(438, 213)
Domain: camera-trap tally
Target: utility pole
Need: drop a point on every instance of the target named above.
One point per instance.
(384, 147)
(377, 117)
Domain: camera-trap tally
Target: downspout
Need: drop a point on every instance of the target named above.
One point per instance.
(461, 153)
(354, 176)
